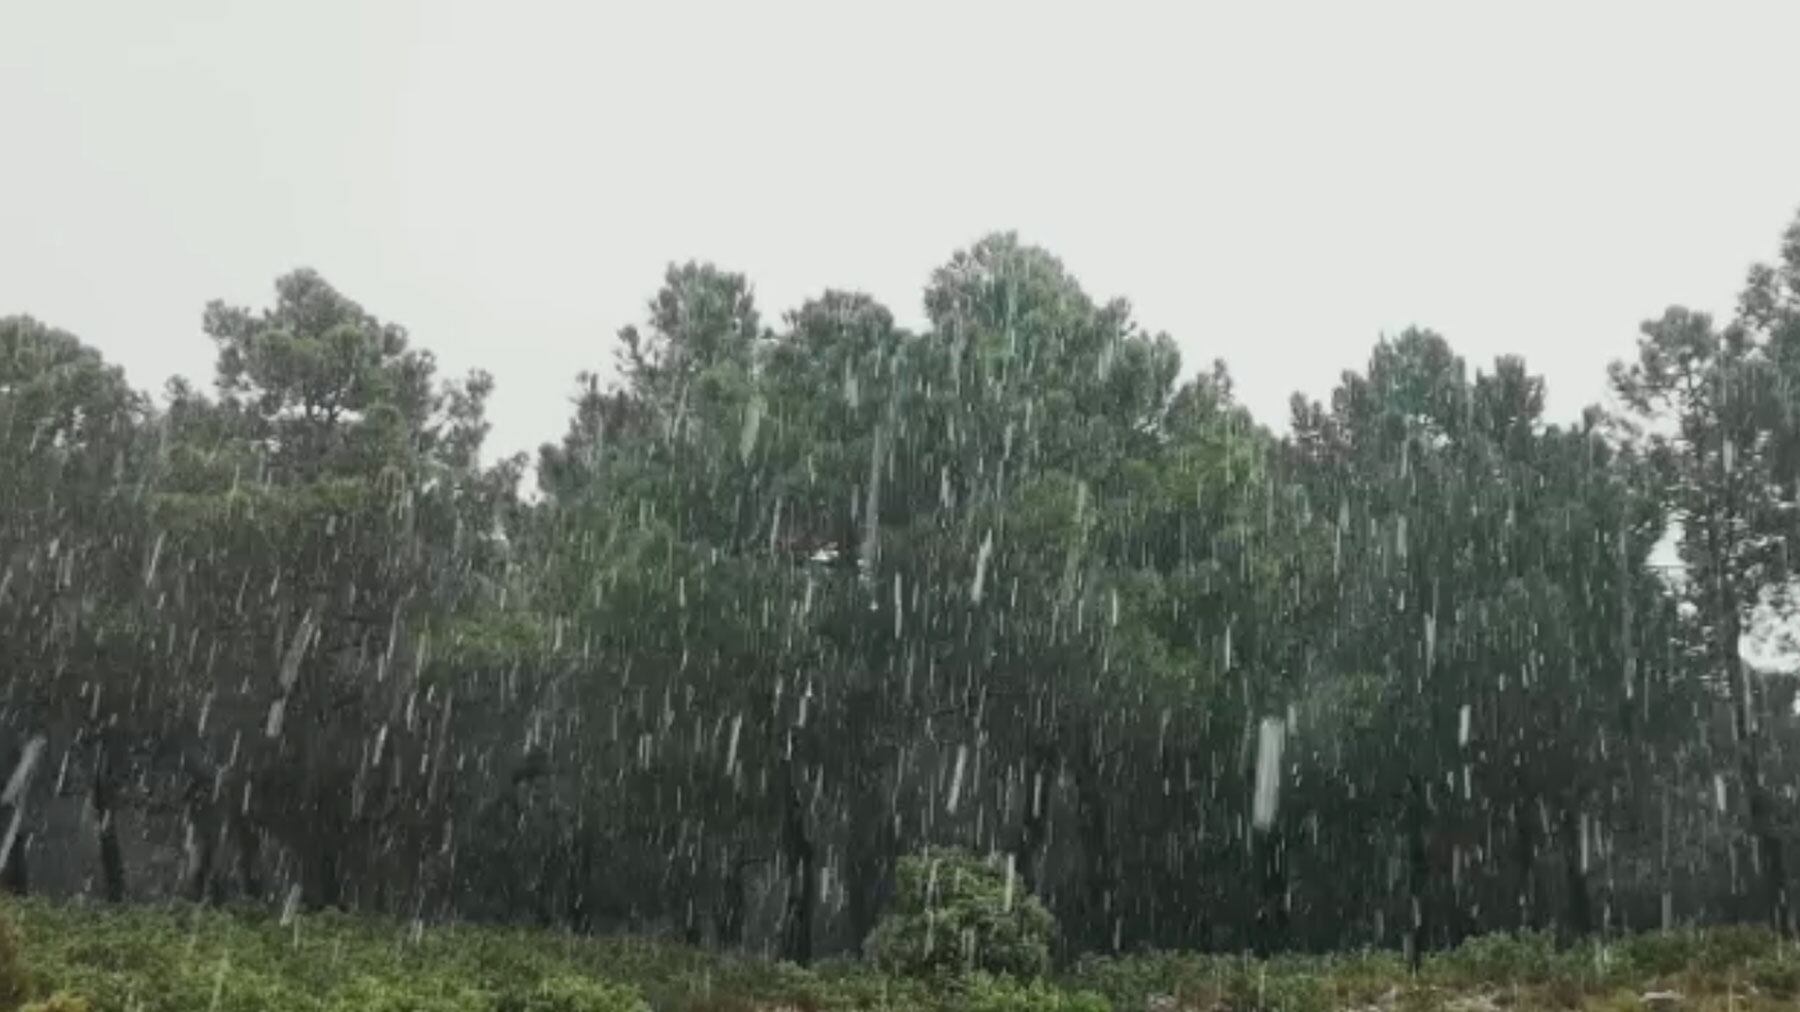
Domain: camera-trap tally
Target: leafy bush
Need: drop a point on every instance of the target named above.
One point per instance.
(1729, 946)
(1362, 979)
(1261, 988)
(177, 959)
(1222, 983)
(1711, 951)
(15, 986)
(985, 993)
(1528, 957)
(1129, 982)
(376, 994)
(956, 914)
(122, 961)
(61, 1001)
(566, 993)
(849, 985)
(1656, 954)
(1776, 975)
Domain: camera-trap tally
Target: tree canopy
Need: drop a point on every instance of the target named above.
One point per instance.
(796, 598)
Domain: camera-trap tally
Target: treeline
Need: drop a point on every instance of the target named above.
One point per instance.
(791, 601)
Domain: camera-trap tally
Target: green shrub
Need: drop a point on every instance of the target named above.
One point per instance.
(61, 1001)
(850, 986)
(1250, 986)
(1528, 957)
(374, 994)
(15, 986)
(117, 971)
(955, 914)
(566, 993)
(1656, 954)
(1129, 982)
(1708, 951)
(1363, 979)
(1776, 975)
(986, 993)
(1291, 983)
(1732, 946)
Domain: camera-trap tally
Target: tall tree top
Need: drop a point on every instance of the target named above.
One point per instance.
(318, 385)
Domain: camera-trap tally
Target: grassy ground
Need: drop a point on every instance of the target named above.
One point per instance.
(185, 959)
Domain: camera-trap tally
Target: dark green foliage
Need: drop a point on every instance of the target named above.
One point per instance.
(955, 913)
(1527, 958)
(178, 960)
(165, 960)
(1776, 975)
(803, 595)
(61, 1001)
(567, 993)
(373, 994)
(1712, 968)
(15, 982)
(986, 993)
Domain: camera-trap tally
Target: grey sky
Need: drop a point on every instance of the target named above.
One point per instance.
(1271, 183)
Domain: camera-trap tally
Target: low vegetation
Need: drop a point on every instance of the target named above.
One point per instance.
(85, 958)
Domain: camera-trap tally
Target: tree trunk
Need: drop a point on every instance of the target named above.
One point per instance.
(203, 845)
(581, 872)
(869, 838)
(730, 915)
(112, 858)
(206, 828)
(1271, 872)
(1581, 909)
(867, 863)
(803, 882)
(1418, 877)
(1763, 834)
(249, 856)
(326, 888)
(862, 886)
(1525, 860)
(1768, 846)
(326, 838)
(1096, 847)
(1034, 827)
(1745, 733)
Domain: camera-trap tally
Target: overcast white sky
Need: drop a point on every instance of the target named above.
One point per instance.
(1271, 183)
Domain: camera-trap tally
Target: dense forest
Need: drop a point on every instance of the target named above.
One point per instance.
(790, 601)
